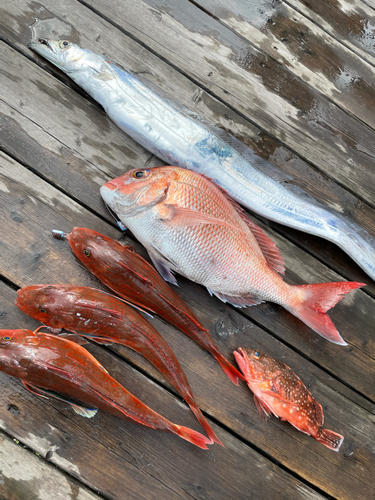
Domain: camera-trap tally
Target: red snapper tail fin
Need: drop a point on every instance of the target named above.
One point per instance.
(316, 300)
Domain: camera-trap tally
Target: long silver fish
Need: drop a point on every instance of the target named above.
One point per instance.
(181, 138)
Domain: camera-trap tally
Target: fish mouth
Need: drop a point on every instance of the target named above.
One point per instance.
(41, 41)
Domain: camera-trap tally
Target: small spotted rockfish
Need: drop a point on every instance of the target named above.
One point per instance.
(277, 390)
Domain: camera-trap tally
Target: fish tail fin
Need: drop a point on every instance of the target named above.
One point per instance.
(330, 439)
(202, 420)
(228, 368)
(315, 300)
(191, 436)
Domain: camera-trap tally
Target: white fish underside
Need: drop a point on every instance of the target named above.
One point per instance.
(180, 138)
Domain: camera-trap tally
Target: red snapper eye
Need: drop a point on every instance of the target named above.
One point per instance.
(138, 174)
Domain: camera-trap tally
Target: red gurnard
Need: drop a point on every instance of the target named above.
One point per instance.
(53, 366)
(134, 279)
(105, 319)
(278, 390)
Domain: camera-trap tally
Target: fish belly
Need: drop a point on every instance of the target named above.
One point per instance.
(210, 256)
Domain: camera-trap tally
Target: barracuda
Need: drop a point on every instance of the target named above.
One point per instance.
(181, 138)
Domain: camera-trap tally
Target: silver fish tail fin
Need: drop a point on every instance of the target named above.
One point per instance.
(357, 243)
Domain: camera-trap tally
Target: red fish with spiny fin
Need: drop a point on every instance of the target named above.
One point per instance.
(131, 277)
(278, 391)
(105, 319)
(51, 366)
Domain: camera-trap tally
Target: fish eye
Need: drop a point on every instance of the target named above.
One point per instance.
(87, 252)
(64, 44)
(42, 310)
(138, 174)
(257, 354)
(7, 338)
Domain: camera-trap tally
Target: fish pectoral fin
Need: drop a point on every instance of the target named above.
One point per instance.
(143, 279)
(263, 408)
(162, 267)
(84, 412)
(91, 304)
(72, 337)
(34, 390)
(243, 301)
(44, 393)
(134, 306)
(184, 313)
(181, 217)
(104, 74)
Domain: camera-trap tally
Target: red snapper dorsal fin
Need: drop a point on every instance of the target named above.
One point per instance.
(268, 247)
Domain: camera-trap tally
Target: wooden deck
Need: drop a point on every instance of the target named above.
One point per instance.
(296, 81)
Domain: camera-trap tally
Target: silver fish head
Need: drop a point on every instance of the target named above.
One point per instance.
(66, 55)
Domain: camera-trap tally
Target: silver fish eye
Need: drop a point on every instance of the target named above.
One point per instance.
(64, 44)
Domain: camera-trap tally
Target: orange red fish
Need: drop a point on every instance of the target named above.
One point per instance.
(190, 226)
(278, 391)
(105, 319)
(131, 277)
(50, 366)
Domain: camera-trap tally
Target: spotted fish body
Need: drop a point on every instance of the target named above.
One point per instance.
(180, 137)
(51, 366)
(279, 391)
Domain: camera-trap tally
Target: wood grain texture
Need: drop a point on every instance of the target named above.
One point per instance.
(25, 476)
(304, 49)
(351, 22)
(216, 395)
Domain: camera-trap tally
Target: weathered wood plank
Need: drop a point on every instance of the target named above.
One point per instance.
(319, 349)
(215, 394)
(124, 460)
(24, 140)
(305, 49)
(24, 476)
(352, 23)
(256, 85)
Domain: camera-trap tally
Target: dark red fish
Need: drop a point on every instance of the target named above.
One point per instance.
(104, 318)
(278, 390)
(132, 278)
(52, 366)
